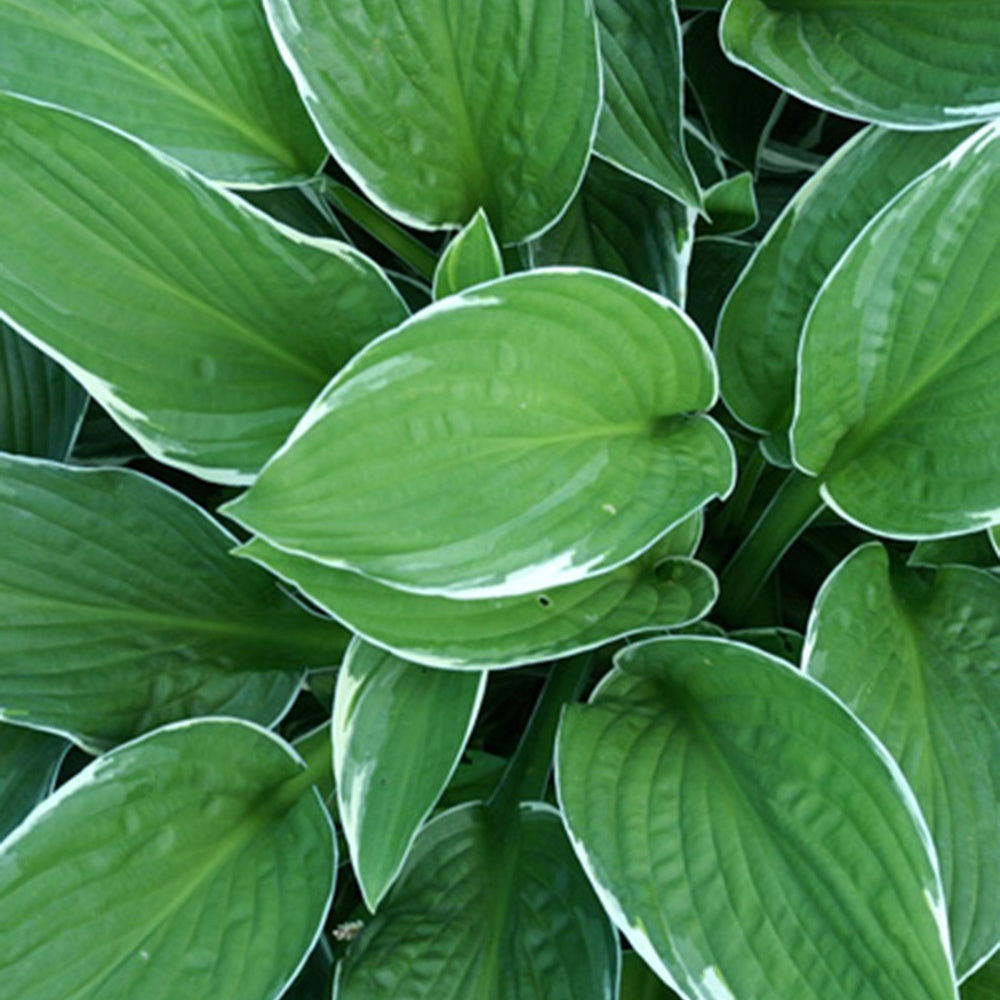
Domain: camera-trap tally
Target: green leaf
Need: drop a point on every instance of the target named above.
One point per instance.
(639, 129)
(204, 83)
(654, 591)
(909, 63)
(897, 408)
(716, 263)
(748, 837)
(398, 733)
(154, 623)
(493, 445)
(197, 861)
(29, 762)
(995, 538)
(761, 321)
(985, 984)
(488, 912)
(471, 258)
(968, 550)
(731, 206)
(619, 224)
(201, 327)
(916, 656)
(437, 111)
(41, 405)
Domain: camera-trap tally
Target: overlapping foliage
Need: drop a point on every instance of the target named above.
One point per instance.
(499, 500)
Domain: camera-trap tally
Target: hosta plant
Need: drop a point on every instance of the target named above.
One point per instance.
(499, 501)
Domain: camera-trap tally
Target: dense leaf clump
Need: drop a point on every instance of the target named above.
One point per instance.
(500, 500)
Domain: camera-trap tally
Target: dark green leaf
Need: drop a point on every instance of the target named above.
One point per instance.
(202, 82)
(486, 910)
(202, 328)
(439, 110)
(985, 983)
(41, 405)
(155, 622)
(917, 657)
(398, 732)
(746, 834)
(731, 207)
(640, 125)
(29, 761)
(197, 861)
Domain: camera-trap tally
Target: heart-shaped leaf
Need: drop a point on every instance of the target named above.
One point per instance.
(202, 328)
(197, 861)
(758, 334)
(492, 106)
(203, 83)
(655, 591)
(155, 622)
(398, 732)
(29, 761)
(41, 405)
(471, 258)
(640, 125)
(528, 433)
(897, 409)
(917, 657)
(909, 63)
(486, 909)
(746, 834)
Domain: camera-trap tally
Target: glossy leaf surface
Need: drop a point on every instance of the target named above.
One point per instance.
(202, 82)
(640, 125)
(29, 761)
(897, 408)
(758, 334)
(491, 106)
(908, 63)
(202, 328)
(41, 405)
(620, 224)
(196, 861)
(746, 834)
(472, 257)
(398, 732)
(155, 623)
(916, 656)
(654, 591)
(487, 912)
(496, 444)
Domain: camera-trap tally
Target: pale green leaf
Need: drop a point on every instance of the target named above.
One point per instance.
(655, 591)
(438, 110)
(619, 224)
(120, 609)
(29, 761)
(202, 82)
(471, 258)
(197, 861)
(746, 834)
(761, 321)
(907, 63)
(41, 405)
(639, 128)
(201, 327)
(486, 909)
(916, 656)
(730, 207)
(496, 444)
(398, 732)
(897, 408)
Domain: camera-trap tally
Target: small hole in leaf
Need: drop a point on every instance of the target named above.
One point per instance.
(544, 601)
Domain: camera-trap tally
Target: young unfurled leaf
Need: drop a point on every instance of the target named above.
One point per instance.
(471, 258)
